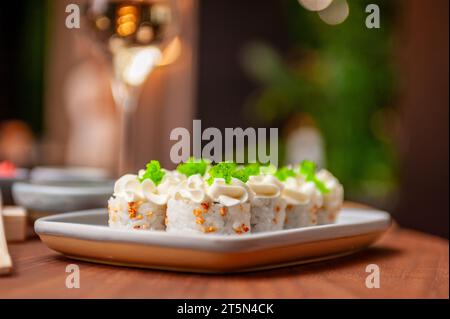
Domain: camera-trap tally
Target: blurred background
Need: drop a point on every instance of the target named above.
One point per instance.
(371, 105)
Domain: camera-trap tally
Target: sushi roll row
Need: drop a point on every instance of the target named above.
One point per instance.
(225, 198)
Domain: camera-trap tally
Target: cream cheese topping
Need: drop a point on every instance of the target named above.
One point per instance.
(193, 188)
(334, 198)
(129, 188)
(229, 194)
(297, 191)
(265, 186)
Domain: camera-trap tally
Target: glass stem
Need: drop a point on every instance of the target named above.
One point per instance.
(126, 101)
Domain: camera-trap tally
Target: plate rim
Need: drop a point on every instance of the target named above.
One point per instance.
(58, 225)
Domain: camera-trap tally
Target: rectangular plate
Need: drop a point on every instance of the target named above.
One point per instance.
(85, 235)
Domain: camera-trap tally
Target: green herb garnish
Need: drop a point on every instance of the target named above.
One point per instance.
(283, 173)
(268, 169)
(223, 170)
(252, 169)
(244, 173)
(308, 169)
(240, 174)
(193, 166)
(153, 172)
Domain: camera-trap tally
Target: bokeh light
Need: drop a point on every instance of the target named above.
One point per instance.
(336, 13)
(171, 52)
(134, 65)
(315, 5)
(127, 19)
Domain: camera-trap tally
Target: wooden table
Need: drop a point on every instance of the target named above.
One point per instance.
(412, 265)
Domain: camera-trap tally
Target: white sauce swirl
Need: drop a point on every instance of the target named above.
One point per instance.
(334, 198)
(265, 186)
(192, 188)
(229, 194)
(129, 188)
(297, 191)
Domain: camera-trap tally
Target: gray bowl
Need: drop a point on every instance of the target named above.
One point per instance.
(58, 197)
(44, 174)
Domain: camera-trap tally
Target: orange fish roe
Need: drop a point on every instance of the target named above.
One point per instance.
(132, 209)
(197, 212)
(223, 211)
(205, 206)
(200, 220)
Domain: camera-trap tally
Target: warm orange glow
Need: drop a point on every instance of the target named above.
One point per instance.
(127, 18)
(126, 29)
(171, 52)
(145, 34)
(102, 23)
(127, 10)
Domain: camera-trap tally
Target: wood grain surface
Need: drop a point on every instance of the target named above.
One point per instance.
(412, 264)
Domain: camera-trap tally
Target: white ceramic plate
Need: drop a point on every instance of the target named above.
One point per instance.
(85, 235)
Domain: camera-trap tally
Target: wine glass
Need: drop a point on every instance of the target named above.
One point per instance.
(133, 35)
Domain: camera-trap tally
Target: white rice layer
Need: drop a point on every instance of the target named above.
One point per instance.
(300, 216)
(268, 214)
(186, 216)
(327, 216)
(135, 215)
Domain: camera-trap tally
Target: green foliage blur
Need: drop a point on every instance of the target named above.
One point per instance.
(343, 77)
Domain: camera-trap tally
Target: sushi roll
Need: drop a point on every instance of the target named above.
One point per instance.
(200, 208)
(267, 207)
(136, 205)
(332, 198)
(303, 201)
(224, 199)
